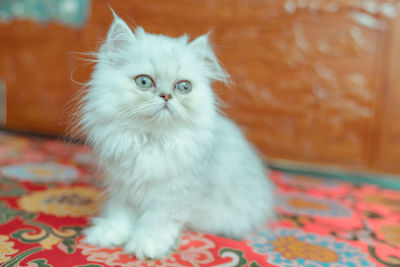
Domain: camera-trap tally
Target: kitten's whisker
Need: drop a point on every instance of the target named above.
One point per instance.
(87, 56)
(135, 112)
(182, 112)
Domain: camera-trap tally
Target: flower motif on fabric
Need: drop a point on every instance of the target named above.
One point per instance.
(236, 257)
(14, 142)
(74, 201)
(62, 150)
(6, 249)
(13, 150)
(392, 202)
(9, 187)
(194, 251)
(292, 247)
(391, 233)
(7, 214)
(41, 172)
(48, 236)
(309, 182)
(298, 203)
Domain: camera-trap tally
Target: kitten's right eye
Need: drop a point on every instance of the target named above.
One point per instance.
(144, 82)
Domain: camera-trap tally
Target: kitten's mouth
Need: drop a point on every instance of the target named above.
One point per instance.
(164, 109)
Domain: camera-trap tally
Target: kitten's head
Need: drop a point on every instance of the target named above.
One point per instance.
(154, 82)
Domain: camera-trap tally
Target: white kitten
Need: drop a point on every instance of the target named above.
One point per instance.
(170, 159)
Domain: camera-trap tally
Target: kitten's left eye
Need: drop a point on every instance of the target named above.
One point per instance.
(184, 87)
(144, 82)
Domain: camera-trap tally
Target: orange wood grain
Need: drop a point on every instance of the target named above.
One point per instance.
(386, 157)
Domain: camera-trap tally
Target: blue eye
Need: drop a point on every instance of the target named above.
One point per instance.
(144, 82)
(183, 87)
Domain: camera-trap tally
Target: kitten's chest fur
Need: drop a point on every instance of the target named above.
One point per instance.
(147, 157)
(155, 169)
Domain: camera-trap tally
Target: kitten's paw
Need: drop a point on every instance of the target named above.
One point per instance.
(151, 246)
(105, 234)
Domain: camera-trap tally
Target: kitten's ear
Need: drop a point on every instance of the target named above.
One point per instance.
(184, 38)
(203, 48)
(119, 35)
(201, 43)
(139, 33)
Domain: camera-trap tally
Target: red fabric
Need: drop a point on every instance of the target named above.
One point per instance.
(48, 192)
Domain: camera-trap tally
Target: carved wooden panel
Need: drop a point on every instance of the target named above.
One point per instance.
(387, 154)
(35, 65)
(313, 89)
(310, 74)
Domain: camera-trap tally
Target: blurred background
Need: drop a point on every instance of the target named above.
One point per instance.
(317, 82)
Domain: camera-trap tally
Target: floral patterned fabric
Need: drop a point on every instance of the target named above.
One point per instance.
(48, 193)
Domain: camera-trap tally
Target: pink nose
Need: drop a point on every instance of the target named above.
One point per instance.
(165, 96)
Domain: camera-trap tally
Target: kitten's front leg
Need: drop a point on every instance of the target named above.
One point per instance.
(155, 235)
(113, 227)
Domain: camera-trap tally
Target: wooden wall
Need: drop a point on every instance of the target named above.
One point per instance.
(316, 81)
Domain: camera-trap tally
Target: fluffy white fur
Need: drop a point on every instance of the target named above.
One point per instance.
(167, 169)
